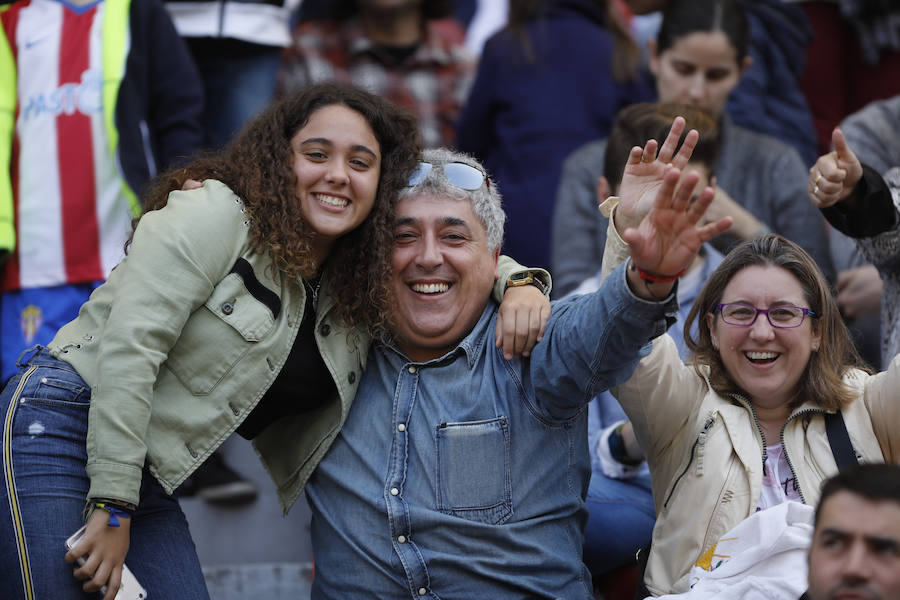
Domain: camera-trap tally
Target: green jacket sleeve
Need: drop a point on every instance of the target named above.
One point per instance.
(507, 267)
(178, 255)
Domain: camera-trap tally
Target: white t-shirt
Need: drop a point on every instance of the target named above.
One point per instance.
(779, 483)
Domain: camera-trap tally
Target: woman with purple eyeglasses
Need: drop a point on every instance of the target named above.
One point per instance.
(774, 400)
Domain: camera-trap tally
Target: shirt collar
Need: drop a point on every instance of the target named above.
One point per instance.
(472, 346)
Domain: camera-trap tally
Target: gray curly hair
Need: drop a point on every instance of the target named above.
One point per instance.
(486, 200)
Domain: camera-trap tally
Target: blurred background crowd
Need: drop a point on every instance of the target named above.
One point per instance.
(97, 96)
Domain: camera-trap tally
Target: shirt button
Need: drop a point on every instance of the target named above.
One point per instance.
(325, 329)
(401, 539)
(351, 377)
(422, 591)
(395, 492)
(401, 427)
(227, 308)
(412, 369)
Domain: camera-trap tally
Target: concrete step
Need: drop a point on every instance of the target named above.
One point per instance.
(249, 552)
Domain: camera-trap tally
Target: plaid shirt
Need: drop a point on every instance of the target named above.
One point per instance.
(433, 81)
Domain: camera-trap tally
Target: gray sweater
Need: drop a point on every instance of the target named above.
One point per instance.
(875, 223)
(762, 174)
(873, 132)
(872, 135)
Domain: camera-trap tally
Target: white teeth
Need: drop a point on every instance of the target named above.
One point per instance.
(761, 355)
(331, 200)
(430, 288)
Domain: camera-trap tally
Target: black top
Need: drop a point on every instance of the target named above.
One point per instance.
(868, 211)
(304, 383)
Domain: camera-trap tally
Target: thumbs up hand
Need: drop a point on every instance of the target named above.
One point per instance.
(835, 174)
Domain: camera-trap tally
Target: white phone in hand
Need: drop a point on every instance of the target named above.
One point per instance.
(130, 589)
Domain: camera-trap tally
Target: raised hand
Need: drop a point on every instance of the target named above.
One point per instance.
(669, 237)
(644, 171)
(835, 174)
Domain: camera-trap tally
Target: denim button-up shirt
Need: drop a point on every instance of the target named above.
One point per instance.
(464, 476)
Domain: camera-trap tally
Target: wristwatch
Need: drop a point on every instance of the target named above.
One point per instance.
(526, 278)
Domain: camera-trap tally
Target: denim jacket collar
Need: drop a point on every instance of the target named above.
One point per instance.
(473, 345)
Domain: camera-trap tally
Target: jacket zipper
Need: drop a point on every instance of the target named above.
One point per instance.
(808, 411)
(706, 427)
(762, 435)
(787, 456)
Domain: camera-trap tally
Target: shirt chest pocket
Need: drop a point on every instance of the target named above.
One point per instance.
(473, 466)
(218, 334)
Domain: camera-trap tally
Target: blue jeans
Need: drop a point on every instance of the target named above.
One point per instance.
(620, 511)
(239, 80)
(45, 419)
(620, 521)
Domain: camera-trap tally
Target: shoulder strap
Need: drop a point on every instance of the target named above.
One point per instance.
(839, 440)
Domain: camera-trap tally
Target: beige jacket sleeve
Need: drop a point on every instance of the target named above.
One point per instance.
(616, 250)
(663, 392)
(883, 403)
(178, 255)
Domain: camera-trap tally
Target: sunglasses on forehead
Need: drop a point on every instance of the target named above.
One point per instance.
(461, 175)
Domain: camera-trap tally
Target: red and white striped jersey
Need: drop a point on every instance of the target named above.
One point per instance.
(71, 216)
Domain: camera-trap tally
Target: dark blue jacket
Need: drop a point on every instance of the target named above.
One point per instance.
(160, 99)
(768, 98)
(522, 118)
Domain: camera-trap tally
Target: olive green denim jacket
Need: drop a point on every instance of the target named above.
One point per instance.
(183, 340)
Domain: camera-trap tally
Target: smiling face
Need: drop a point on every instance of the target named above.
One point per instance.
(855, 550)
(337, 161)
(443, 273)
(699, 69)
(766, 362)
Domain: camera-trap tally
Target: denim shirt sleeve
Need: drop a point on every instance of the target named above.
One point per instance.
(594, 342)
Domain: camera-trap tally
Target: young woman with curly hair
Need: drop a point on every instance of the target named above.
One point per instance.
(245, 304)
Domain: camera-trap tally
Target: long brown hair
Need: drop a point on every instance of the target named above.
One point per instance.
(257, 166)
(822, 381)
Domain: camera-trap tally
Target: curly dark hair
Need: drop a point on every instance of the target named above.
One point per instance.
(257, 166)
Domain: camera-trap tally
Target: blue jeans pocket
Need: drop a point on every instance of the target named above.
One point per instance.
(54, 385)
(481, 494)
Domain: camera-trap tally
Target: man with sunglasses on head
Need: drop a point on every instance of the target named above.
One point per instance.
(459, 473)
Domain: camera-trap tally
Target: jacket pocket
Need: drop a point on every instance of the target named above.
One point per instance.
(218, 334)
(480, 494)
